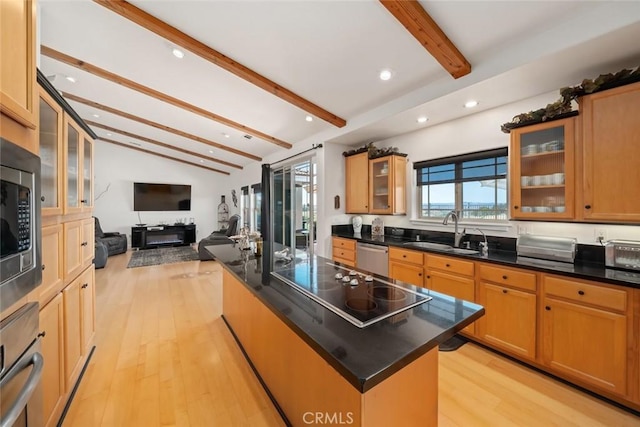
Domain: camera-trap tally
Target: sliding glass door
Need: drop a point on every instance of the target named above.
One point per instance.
(294, 206)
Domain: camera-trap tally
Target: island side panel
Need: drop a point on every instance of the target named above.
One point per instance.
(304, 385)
(409, 397)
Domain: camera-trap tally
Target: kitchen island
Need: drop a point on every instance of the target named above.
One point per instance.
(319, 367)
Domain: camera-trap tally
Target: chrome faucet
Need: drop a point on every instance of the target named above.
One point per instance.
(457, 236)
(483, 246)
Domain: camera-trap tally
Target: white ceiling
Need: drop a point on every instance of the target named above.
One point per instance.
(329, 52)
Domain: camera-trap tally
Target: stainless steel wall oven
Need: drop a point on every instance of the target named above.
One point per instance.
(20, 253)
(21, 369)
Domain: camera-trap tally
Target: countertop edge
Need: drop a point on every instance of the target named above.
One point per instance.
(491, 258)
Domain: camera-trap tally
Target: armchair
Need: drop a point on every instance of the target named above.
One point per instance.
(218, 238)
(116, 243)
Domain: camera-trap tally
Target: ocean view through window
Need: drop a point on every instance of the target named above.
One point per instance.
(473, 184)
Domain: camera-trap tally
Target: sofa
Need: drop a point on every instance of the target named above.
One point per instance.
(116, 243)
(218, 238)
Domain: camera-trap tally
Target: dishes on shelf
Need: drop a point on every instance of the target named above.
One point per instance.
(537, 180)
(545, 147)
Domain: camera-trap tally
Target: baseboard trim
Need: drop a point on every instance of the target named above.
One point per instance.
(75, 388)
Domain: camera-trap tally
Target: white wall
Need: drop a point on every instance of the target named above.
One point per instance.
(477, 132)
(118, 168)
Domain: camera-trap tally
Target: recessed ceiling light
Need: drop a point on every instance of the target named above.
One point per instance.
(211, 151)
(108, 134)
(470, 104)
(96, 115)
(226, 135)
(385, 75)
(309, 118)
(201, 161)
(177, 53)
(423, 119)
(71, 79)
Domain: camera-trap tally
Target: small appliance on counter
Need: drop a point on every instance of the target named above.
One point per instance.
(623, 254)
(547, 248)
(377, 227)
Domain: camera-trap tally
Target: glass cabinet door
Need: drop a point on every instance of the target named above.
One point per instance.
(380, 184)
(72, 166)
(50, 132)
(542, 170)
(87, 173)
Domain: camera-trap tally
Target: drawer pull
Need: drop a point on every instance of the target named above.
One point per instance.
(43, 267)
(587, 206)
(505, 277)
(42, 198)
(580, 292)
(515, 207)
(428, 277)
(419, 274)
(42, 334)
(547, 308)
(404, 256)
(504, 291)
(84, 244)
(448, 265)
(85, 285)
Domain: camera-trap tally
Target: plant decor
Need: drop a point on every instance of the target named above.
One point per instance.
(374, 152)
(563, 107)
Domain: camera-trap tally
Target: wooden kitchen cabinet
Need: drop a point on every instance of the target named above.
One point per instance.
(51, 154)
(18, 61)
(387, 185)
(88, 308)
(79, 246)
(52, 348)
(72, 165)
(582, 318)
(344, 251)
(451, 276)
(542, 159)
(86, 200)
(509, 298)
(72, 334)
(610, 160)
(406, 265)
(52, 262)
(357, 183)
(88, 241)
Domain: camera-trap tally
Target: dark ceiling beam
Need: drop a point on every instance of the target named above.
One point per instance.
(177, 37)
(165, 128)
(418, 22)
(160, 144)
(130, 84)
(164, 156)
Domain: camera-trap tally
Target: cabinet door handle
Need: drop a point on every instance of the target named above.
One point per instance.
(419, 274)
(515, 207)
(580, 292)
(85, 285)
(428, 277)
(42, 198)
(504, 291)
(43, 267)
(448, 265)
(547, 308)
(587, 206)
(404, 256)
(505, 277)
(83, 244)
(42, 334)
(83, 201)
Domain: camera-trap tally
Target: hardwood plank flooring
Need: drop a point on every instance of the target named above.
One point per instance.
(164, 357)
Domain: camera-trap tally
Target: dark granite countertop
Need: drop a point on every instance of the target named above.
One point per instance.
(581, 270)
(363, 356)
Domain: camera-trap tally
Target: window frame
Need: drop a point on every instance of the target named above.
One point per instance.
(458, 180)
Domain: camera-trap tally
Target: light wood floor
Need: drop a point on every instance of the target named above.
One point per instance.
(165, 357)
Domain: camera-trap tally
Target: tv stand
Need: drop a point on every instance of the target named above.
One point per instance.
(155, 236)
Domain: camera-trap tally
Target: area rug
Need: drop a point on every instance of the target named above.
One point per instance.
(147, 257)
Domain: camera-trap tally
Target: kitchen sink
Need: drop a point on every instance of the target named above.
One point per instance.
(441, 247)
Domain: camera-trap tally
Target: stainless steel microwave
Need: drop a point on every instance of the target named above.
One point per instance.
(20, 236)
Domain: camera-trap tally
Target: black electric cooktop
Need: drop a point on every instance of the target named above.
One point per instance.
(355, 296)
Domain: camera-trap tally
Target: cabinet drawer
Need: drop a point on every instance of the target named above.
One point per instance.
(339, 242)
(405, 255)
(344, 254)
(614, 299)
(508, 276)
(452, 265)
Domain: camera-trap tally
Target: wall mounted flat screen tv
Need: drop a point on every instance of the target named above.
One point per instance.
(161, 197)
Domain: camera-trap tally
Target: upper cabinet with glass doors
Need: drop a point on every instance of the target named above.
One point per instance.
(387, 185)
(78, 161)
(542, 170)
(51, 147)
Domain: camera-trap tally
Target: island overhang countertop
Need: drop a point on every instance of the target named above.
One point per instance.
(363, 356)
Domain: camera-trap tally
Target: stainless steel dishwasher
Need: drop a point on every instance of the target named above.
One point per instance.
(373, 258)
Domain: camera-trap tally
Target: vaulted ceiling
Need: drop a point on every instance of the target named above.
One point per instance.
(253, 71)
